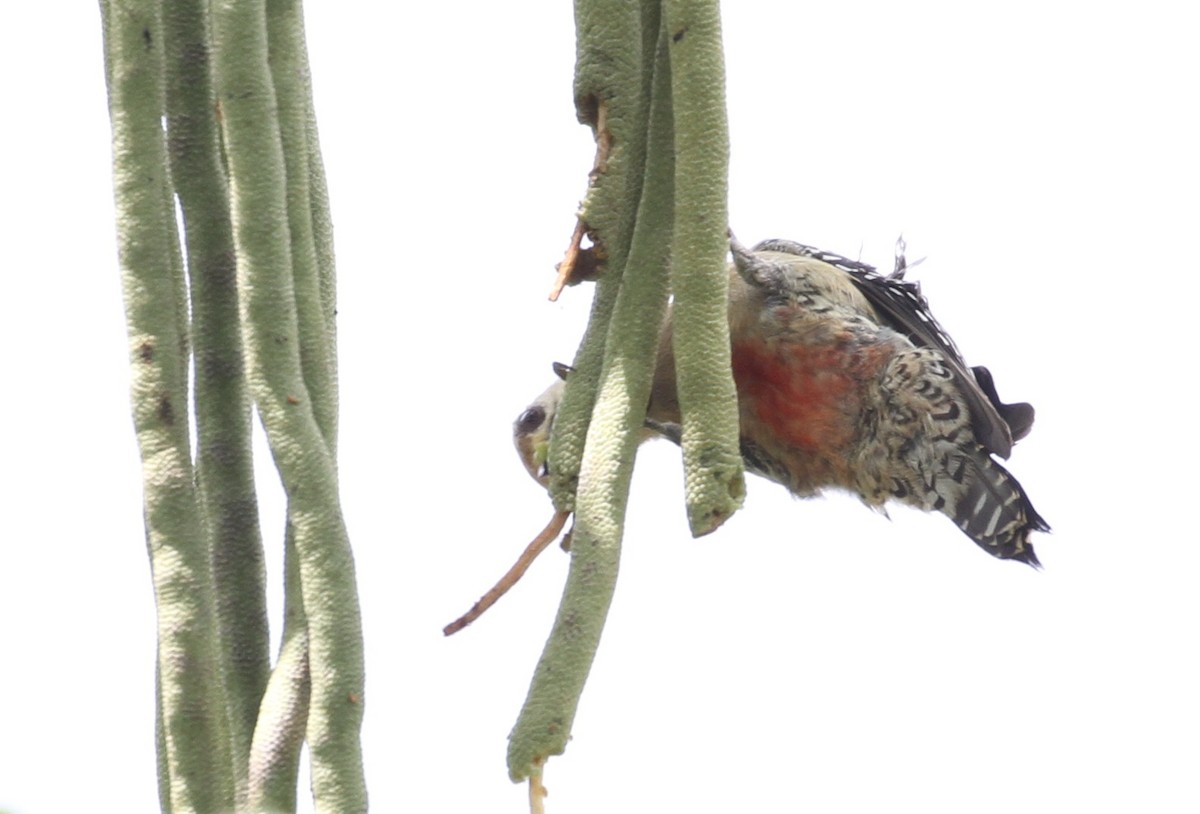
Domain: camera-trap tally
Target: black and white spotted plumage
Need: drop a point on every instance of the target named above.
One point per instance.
(925, 424)
(904, 308)
(845, 380)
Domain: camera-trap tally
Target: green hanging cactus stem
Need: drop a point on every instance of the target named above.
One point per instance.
(649, 79)
(211, 107)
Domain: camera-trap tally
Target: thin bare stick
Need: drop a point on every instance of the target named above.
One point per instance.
(539, 544)
(603, 147)
(567, 266)
(537, 793)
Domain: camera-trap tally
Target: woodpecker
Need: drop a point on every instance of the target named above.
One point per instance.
(845, 380)
(531, 430)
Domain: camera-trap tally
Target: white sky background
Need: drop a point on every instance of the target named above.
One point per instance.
(808, 656)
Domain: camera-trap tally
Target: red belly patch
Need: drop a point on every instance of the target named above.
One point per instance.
(807, 396)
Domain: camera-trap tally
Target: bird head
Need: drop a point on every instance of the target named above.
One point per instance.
(531, 430)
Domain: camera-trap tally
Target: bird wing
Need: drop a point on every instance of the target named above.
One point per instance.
(902, 307)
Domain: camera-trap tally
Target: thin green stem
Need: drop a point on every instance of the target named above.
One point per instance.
(224, 459)
(544, 725)
(323, 237)
(275, 755)
(194, 726)
(272, 336)
(162, 765)
(714, 482)
(288, 60)
(613, 73)
(322, 225)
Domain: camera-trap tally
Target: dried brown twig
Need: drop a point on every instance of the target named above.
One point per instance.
(539, 544)
(578, 264)
(567, 267)
(537, 793)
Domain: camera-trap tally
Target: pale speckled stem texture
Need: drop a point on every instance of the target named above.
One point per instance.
(649, 79)
(204, 117)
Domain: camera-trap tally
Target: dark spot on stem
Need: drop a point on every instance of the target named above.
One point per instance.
(166, 412)
(588, 266)
(679, 34)
(146, 351)
(587, 109)
(146, 38)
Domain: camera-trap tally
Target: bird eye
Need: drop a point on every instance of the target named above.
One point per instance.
(531, 419)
